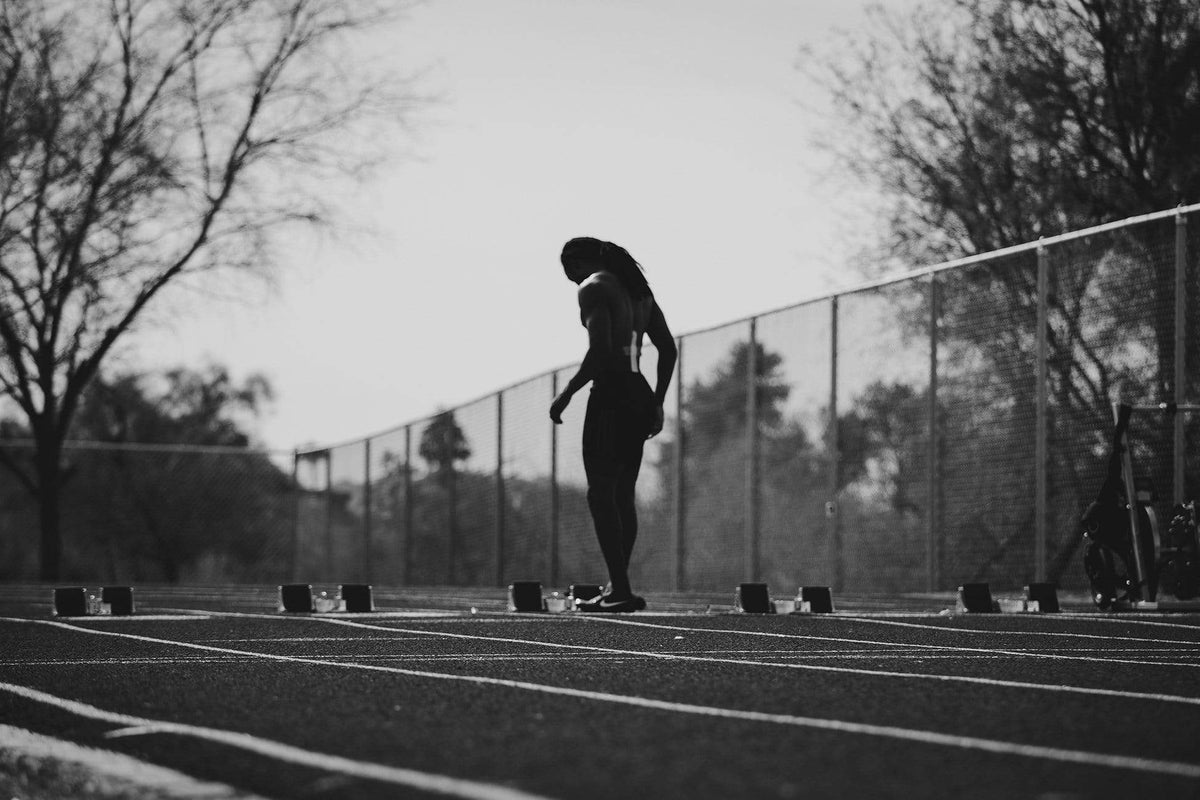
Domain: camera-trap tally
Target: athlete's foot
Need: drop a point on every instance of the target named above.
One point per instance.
(614, 605)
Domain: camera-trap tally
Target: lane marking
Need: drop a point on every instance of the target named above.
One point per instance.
(873, 621)
(121, 618)
(780, 658)
(1066, 689)
(135, 726)
(455, 786)
(612, 620)
(963, 679)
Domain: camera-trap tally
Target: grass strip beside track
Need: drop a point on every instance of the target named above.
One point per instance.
(1062, 755)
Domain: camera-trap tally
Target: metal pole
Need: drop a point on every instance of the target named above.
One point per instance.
(366, 510)
(328, 509)
(554, 500)
(834, 446)
(932, 505)
(297, 498)
(680, 485)
(408, 506)
(1040, 448)
(499, 488)
(1180, 351)
(751, 487)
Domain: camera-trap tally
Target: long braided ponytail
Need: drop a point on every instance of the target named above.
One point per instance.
(614, 258)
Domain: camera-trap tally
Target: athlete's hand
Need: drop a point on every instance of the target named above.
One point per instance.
(657, 425)
(558, 407)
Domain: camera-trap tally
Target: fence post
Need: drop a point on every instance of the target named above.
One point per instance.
(751, 487)
(328, 509)
(366, 511)
(1041, 447)
(554, 500)
(933, 508)
(1180, 352)
(832, 512)
(680, 485)
(408, 507)
(297, 499)
(499, 488)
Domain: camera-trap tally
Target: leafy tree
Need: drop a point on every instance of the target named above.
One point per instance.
(443, 444)
(146, 142)
(144, 513)
(881, 439)
(715, 428)
(181, 406)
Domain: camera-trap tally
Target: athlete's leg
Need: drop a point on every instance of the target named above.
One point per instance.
(603, 470)
(636, 418)
(626, 501)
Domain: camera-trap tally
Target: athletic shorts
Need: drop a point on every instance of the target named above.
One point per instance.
(620, 415)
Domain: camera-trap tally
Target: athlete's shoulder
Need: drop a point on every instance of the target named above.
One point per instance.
(599, 287)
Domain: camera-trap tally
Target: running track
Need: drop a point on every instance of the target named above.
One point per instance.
(886, 698)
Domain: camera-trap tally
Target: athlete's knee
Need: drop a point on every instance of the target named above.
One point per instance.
(601, 494)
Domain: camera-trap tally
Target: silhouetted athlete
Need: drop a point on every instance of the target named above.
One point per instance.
(617, 308)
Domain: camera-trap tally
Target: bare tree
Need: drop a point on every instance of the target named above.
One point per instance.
(989, 123)
(144, 141)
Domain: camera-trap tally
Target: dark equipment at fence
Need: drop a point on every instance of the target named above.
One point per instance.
(1115, 568)
(1128, 564)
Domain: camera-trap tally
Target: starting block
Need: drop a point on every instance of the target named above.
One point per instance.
(976, 598)
(71, 602)
(814, 600)
(119, 600)
(753, 598)
(1045, 595)
(581, 593)
(74, 601)
(355, 598)
(526, 597)
(296, 598)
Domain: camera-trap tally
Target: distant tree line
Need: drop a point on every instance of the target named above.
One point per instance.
(204, 504)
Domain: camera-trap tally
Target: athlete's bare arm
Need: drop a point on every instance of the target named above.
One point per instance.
(664, 343)
(594, 299)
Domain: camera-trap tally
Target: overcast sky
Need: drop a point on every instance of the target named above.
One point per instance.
(676, 128)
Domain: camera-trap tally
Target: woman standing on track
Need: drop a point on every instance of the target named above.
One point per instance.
(617, 308)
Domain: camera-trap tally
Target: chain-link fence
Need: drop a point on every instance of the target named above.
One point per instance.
(944, 426)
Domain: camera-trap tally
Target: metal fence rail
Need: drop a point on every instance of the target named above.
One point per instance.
(908, 435)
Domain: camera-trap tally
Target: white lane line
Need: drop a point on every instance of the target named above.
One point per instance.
(779, 658)
(110, 774)
(122, 618)
(426, 781)
(820, 668)
(612, 619)
(1150, 623)
(378, 772)
(1194, 701)
(979, 631)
